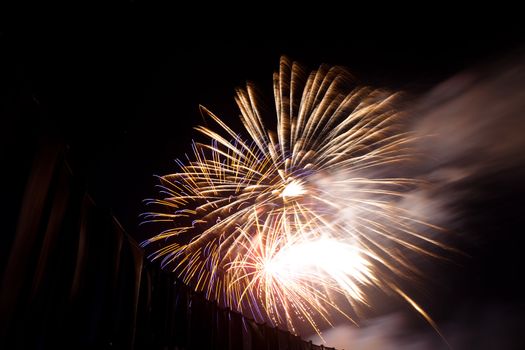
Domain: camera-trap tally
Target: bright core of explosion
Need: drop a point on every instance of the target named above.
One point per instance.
(325, 259)
(294, 188)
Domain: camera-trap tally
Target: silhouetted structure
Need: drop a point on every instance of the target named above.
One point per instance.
(73, 277)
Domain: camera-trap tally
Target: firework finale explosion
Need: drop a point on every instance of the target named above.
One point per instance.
(292, 226)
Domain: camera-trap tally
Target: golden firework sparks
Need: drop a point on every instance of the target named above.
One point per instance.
(284, 225)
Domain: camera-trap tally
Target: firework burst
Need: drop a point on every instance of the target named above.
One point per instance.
(291, 226)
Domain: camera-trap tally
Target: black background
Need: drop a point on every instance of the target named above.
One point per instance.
(124, 97)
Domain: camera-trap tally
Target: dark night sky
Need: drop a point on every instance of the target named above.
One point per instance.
(125, 99)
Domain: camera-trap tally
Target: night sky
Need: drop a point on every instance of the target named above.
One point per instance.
(124, 100)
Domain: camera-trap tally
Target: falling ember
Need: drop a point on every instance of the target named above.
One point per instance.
(290, 226)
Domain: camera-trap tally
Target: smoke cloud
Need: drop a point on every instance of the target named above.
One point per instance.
(491, 327)
(471, 144)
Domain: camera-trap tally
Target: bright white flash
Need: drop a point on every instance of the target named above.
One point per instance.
(293, 189)
(325, 259)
